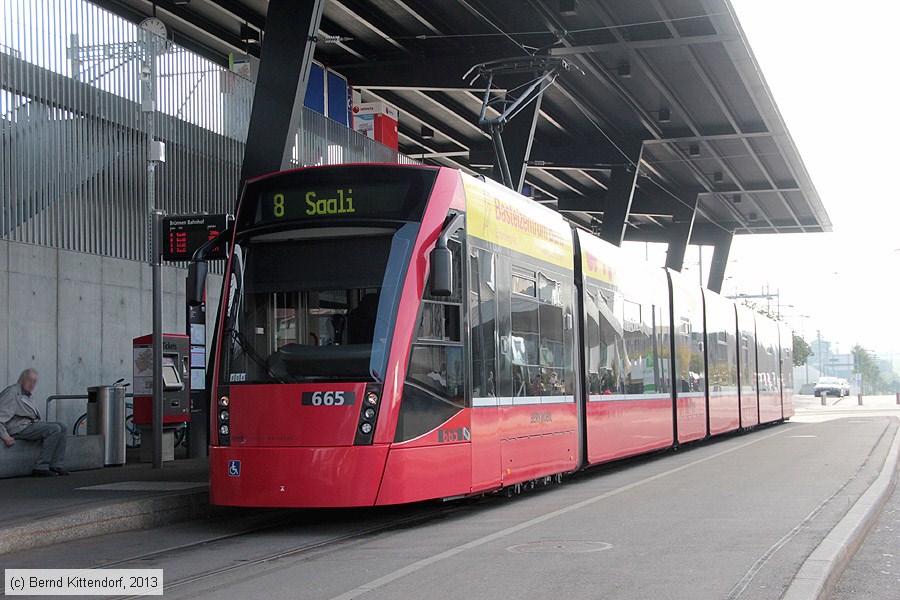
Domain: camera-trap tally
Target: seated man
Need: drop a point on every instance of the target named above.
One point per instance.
(21, 420)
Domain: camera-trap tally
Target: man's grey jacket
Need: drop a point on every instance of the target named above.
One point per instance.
(17, 411)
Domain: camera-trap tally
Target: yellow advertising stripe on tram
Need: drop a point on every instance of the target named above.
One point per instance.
(499, 216)
(598, 269)
(598, 258)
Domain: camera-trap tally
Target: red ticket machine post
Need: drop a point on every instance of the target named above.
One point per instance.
(176, 390)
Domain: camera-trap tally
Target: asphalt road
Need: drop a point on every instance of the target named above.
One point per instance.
(730, 519)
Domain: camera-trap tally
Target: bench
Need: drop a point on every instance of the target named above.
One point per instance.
(83, 452)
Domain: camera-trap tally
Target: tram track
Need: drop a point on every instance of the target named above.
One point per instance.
(301, 549)
(271, 524)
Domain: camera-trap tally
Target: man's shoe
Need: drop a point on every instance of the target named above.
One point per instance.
(59, 471)
(42, 473)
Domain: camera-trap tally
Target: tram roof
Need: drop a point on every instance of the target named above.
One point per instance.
(677, 78)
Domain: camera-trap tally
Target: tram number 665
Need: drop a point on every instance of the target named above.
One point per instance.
(328, 398)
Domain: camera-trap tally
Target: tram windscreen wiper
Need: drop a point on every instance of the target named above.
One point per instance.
(255, 356)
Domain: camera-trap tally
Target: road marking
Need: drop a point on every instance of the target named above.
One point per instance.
(425, 562)
(803, 436)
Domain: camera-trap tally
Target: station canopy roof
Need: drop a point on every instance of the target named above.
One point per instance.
(675, 78)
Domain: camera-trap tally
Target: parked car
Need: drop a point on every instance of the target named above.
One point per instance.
(833, 386)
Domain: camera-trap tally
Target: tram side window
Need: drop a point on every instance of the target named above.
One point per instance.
(748, 364)
(437, 361)
(689, 357)
(645, 341)
(524, 338)
(483, 320)
(537, 342)
(661, 353)
(722, 361)
(606, 344)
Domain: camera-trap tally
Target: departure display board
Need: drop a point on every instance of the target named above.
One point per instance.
(184, 234)
(356, 200)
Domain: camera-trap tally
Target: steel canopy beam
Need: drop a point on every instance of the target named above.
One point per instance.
(593, 153)
(285, 60)
(680, 231)
(414, 73)
(651, 43)
(619, 195)
(721, 249)
(703, 233)
(643, 203)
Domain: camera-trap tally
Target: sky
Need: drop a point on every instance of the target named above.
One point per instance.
(833, 76)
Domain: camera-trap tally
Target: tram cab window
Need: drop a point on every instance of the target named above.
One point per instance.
(436, 375)
(437, 362)
(295, 316)
(483, 323)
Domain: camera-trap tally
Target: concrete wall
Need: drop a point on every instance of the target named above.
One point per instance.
(72, 316)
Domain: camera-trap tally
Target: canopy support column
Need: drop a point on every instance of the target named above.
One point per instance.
(284, 64)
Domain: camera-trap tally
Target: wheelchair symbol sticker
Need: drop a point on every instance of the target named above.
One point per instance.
(234, 468)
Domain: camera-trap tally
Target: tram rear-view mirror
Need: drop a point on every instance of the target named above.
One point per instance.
(441, 271)
(196, 282)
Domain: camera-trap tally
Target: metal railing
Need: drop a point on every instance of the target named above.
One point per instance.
(69, 397)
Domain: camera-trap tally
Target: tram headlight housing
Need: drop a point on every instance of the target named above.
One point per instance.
(368, 415)
(222, 419)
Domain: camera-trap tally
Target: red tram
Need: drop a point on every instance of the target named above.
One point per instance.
(391, 334)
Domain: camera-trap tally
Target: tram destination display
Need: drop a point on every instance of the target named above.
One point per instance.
(359, 200)
(184, 234)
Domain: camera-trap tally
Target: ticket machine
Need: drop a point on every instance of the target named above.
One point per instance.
(176, 390)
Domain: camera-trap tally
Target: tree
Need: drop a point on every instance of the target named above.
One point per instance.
(802, 351)
(866, 366)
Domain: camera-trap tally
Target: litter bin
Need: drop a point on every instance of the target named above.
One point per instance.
(106, 417)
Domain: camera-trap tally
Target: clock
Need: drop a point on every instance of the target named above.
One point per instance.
(155, 26)
(158, 28)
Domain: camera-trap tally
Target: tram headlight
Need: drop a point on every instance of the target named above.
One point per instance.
(366, 428)
(224, 402)
(224, 430)
(369, 413)
(223, 416)
(372, 398)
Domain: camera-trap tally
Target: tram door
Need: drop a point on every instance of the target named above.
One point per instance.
(483, 312)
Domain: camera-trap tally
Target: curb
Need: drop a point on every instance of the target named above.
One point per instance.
(823, 568)
(130, 515)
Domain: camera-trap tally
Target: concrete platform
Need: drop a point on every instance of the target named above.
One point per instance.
(875, 570)
(733, 519)
(41, 511)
